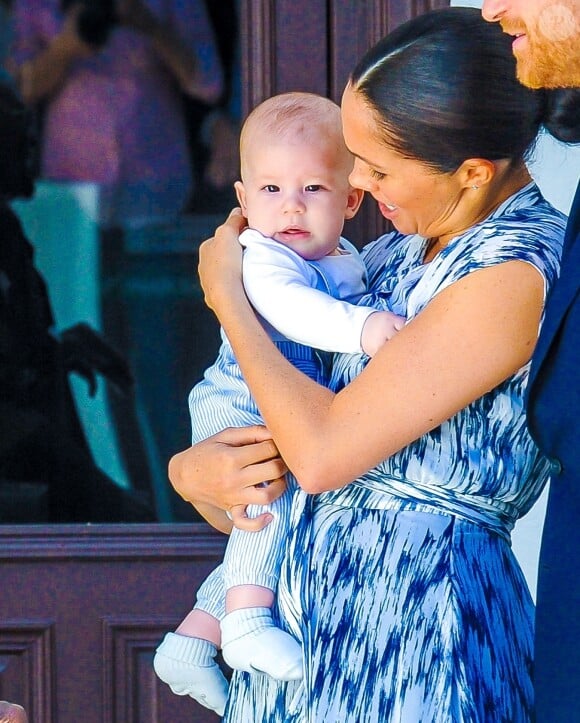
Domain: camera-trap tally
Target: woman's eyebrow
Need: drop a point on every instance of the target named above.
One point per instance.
(365, 160)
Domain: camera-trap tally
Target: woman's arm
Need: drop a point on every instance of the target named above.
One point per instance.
(222, 472)
(470, 338)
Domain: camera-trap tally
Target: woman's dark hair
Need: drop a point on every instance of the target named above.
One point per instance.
(563, 114)
(443, 87)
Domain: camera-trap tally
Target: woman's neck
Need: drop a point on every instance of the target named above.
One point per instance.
(505, 183)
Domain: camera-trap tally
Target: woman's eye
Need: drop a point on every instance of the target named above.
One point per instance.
(377, 175)
(313, 188)
(271, 188)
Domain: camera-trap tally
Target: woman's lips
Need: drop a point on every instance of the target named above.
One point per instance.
(387, 210)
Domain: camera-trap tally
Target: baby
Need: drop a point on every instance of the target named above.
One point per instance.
(304, 280)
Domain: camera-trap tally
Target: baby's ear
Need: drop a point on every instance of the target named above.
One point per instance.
(354, 200)
(241, 196)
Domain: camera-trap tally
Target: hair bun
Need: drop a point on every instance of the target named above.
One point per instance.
(562, 114)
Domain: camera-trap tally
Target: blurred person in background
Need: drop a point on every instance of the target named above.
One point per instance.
(107, 80)
(215, 130)
(12, 713)
(109, 77)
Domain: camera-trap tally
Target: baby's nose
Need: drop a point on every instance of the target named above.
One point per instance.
(294, 203)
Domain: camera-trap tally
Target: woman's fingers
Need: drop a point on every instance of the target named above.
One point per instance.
(235, 220)
(242, 436)
(227, 469)
(227, 232)
(264, 495)
(262, 453)
(220, 261)
(249, 456)
(239, 516)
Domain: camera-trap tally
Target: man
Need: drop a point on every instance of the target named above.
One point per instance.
(547, 49)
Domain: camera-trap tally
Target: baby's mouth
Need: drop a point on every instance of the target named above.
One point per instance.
(294, 231)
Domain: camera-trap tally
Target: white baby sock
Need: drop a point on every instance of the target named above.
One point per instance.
(187, 665)
(251, 642)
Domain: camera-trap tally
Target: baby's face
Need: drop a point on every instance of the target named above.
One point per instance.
(297, 193)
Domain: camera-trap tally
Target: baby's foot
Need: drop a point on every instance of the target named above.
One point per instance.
(187, 665)
(251, 642)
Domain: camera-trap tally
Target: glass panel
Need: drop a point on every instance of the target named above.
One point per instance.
(121, 257)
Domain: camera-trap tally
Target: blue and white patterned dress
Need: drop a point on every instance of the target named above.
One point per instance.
(402, 586)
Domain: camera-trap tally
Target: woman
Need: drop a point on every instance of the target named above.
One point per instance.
(400, 582)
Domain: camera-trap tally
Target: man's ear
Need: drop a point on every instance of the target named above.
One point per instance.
(354, 200)
(241, 196)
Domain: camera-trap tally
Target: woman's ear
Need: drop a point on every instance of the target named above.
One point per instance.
(241, 196)
(354, 200)
(476, 172)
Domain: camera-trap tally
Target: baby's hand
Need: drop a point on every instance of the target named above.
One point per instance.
(379, 328)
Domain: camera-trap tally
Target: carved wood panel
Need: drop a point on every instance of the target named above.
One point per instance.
(26, 662)
(83, 608)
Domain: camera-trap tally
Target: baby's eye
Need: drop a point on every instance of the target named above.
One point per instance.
(313, 187)
(377, 175)
(271, 188)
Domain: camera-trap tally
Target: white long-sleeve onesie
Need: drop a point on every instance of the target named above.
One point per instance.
(310, 302)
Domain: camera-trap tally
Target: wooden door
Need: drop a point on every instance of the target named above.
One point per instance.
(82, 607)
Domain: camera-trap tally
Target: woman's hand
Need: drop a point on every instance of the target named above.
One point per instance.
(223, 472)
(220, 262)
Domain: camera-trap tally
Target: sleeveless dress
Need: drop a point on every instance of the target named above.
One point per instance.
(402, 587)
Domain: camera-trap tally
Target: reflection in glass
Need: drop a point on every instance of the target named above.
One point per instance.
(113, 259)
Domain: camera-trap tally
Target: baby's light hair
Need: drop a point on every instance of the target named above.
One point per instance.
(295, 115)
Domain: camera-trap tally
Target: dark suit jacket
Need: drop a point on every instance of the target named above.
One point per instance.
(554, 418)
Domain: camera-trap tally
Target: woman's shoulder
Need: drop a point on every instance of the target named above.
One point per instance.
(527, 227)
(526, 214)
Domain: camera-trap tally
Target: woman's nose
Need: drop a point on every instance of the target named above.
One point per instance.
(360, 178)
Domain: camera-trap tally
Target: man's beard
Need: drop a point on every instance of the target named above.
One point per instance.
(550, 57)
(549, 64)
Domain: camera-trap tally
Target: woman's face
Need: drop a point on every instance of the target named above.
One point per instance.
(414, 197)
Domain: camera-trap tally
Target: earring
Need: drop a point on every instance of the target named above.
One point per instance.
(475, 188)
